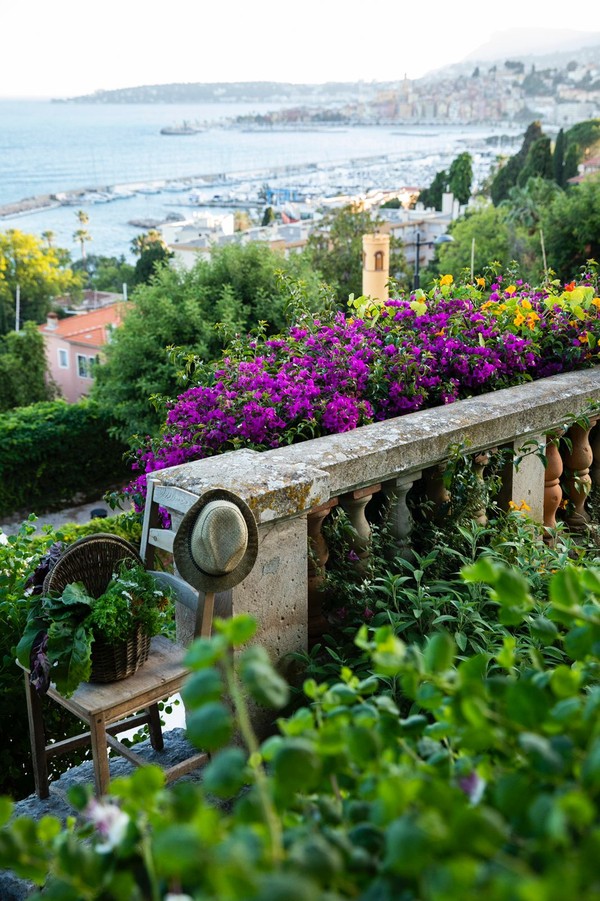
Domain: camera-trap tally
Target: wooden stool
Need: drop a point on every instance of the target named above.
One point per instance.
(113, 707)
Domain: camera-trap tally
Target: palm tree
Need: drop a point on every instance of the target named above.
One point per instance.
(48, 237)
(82, 235)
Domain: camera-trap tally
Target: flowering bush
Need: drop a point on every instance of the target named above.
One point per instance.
(341, 371)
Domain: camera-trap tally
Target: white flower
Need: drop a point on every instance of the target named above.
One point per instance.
(110, 822)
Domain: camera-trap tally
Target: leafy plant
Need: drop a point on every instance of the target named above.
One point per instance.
(57, 643)
(488, 785)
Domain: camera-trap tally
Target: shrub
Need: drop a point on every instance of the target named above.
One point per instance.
(489, 785)
(52, 452)
(19, 557)
(334, 373)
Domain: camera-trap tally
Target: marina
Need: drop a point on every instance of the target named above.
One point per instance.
(113, 163)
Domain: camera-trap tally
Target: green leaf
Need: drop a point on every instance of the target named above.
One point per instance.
(202, 686)
(237, 630)
(565, 682)
(210, 727)
(296, 767)
(6, 809)
(565, 588)
(205, 652)
(260, 678)
(439, 653)
(225, 775)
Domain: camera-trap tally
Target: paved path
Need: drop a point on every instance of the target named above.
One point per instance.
(79, 514)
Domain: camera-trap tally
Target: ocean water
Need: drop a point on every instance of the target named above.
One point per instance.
(53, 147)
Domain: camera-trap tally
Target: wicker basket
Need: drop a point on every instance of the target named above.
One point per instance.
(93, 560)
(114, 661)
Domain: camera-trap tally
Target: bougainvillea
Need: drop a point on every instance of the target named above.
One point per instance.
(341, 371)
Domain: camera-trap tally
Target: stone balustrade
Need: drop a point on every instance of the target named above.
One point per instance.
(292, 489)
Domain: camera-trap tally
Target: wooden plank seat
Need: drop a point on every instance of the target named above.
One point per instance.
(111, 708)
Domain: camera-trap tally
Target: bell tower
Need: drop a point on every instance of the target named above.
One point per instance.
(376, 266)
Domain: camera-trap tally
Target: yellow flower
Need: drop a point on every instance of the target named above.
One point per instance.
(480, 282)
(584, 339)
(523, 507)
(532, 318)
(446, 280)
(526, 304)
(519, 319)
(596, 301)
(511, 289)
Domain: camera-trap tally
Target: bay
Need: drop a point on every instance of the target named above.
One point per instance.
(47, 148)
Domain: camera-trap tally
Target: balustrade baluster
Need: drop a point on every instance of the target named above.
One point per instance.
(480, 461)
(435, 489)
(354, 504)
(317, 560)
(553, 472)
(595, 445)
(400, 517)
(576, 477)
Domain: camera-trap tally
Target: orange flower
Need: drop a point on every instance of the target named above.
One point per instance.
(570, 286)
(523, 507)
(480, 282)
(519, 319)
(526, 304)
(511, 289)
(446, 280)
(584, 339)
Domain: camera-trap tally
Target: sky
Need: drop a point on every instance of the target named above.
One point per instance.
(66, 48)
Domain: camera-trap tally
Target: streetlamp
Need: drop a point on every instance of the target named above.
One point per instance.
(441, 239)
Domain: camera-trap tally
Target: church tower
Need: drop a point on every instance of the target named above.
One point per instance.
(376, 266)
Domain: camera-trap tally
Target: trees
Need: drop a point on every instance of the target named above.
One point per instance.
(238, 287)
(538, 163)
(41, 272)
(508, 173)
(460, 177)
(334, 248)
(488, 227)
(23, 369)
(106, 273)
(431, 197)
(558, 159)
(571, 226)
(82, 235)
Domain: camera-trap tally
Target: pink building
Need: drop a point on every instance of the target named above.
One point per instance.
(74, 344)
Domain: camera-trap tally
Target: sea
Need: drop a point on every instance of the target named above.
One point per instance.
(52, 148)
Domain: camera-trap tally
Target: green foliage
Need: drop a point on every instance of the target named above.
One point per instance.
(558, 159)
(41, 272)
(105, 273)
(239, 287)
(487, 225)
(507, 175)
(571, 226)
(51, 452)
(488, 786)
(460, 177)
(584, 134)
(23, 369)
(538, 163)
(72, 622)
(334, 249)
(154, 255)
(431, 197)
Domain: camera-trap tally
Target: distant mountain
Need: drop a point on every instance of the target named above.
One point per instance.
(543, 47)
(223, 92)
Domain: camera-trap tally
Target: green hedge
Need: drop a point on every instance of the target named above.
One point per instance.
(54, 453)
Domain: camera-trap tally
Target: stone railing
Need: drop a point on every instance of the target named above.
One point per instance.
(292, 489)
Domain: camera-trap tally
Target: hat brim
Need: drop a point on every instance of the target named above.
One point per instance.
(190, 569)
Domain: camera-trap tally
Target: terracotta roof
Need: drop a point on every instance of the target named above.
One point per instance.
(87, 328)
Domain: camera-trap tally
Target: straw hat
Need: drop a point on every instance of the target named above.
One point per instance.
(217, 542)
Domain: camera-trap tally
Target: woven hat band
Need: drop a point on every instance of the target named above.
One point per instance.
(219, 538)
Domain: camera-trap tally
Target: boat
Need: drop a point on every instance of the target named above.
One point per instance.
(184, 129)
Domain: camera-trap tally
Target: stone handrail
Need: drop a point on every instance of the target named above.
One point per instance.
(292, 488)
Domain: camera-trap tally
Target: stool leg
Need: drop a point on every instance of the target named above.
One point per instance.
(156, 737)
(37, 738)
(99, 753)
